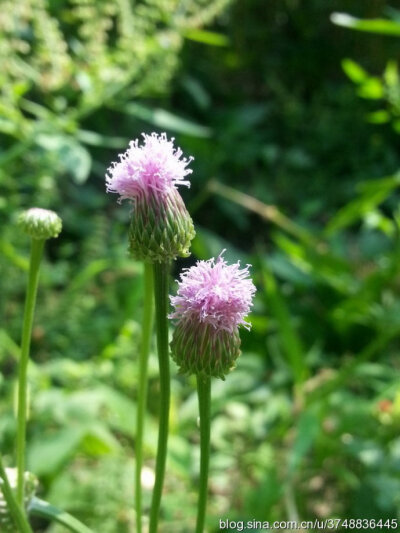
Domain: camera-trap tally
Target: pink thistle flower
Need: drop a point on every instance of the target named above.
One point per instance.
(212, 301)
(161, 228)
(214, 293)
(156, 167)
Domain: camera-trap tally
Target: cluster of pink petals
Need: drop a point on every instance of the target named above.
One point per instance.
(156, 166)
(215, 293)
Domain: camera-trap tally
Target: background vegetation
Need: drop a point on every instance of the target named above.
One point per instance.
(294, 124)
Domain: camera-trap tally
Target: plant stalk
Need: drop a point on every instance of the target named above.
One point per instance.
(161, 310)
(30, 301)
(204, 395)
(147, 326)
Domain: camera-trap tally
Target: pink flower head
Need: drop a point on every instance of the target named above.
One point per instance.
(156, 167)
(215, 293)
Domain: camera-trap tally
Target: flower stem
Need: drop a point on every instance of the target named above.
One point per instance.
(147, 326)
(204, 394)
(161, 306)
(30, 301)
(16, 512)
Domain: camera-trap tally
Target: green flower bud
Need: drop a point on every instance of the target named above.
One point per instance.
(40, 223)
(200, 348)
(161, 228)
(31, 483)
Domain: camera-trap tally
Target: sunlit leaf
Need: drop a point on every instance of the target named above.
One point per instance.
(354, 71)
(379, 117)
(381, 26)
(210, 38)
(391, 74)
(372, 89)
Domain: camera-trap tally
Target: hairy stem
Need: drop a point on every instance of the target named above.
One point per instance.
(147, 326)
(204, 394)
(30, 301)
(161, 306)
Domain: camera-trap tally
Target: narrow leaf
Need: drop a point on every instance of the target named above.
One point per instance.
(166, 120)
(43, 509)
(211, 38)
(380, 26)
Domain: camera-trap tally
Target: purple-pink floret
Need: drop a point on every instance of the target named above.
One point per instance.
(156, 167)
(215, 293)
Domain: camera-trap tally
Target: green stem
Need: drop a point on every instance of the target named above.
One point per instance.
(147, 326)
(161, 305)
(204, 394)
(34, 265)
(17, 514)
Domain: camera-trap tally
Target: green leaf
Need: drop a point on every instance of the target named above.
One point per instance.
(373, 193)
(259, 501)
(211, 38)
(376, 220)
(166, 120)
(89, 272)
(73, 157)
(372, 89)
(48, 453)
(43, 509)
(380, 26)
(285, 269)
(96, 139)
(319, 264)
(197, 92)
(9, 252)
(120, 411)
(77, 160)
(8, 127)
(354, 71)
(378, 117)
(289, 338)
(307, 431)
(391, 74)
(99, 440)
(396, 126)
(8, 346)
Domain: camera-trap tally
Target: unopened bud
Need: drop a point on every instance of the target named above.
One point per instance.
(40, 223)
(161, 228)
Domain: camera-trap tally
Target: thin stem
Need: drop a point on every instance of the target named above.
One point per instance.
(161, 305)
(147, 326)
(30, 301)
(204, 394)
(17, 514)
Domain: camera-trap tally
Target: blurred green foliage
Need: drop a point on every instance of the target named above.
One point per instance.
(293, 173)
